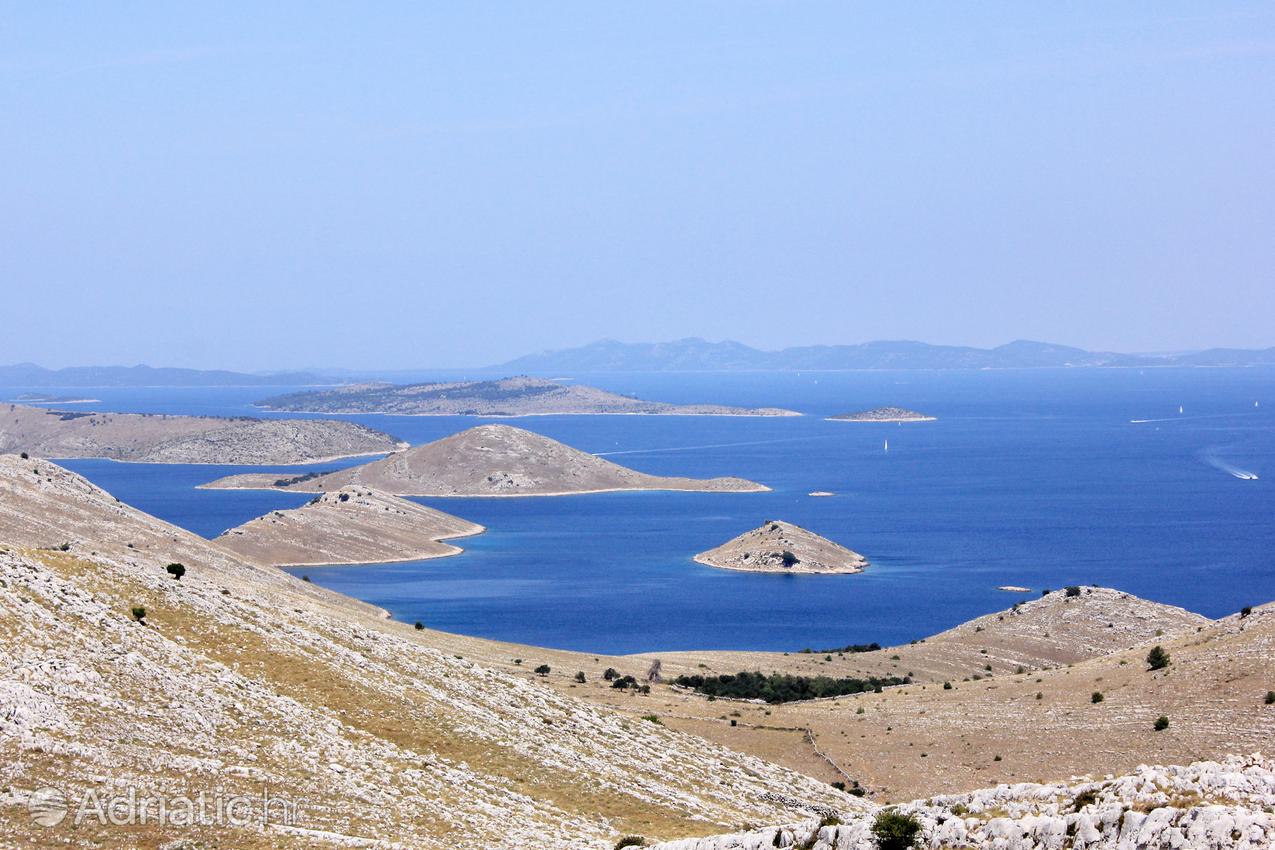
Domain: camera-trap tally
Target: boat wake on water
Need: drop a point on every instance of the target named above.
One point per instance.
(1210, 457)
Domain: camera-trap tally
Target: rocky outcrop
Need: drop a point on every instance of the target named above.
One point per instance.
(154, 438)
(781, 547)
(520, 396)
(1209, 805)
(353, 525)
(490, 460)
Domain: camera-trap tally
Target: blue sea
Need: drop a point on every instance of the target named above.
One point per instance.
(1038, 478)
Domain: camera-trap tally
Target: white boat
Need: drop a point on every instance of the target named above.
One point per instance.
(887, 445)
(1179, 408)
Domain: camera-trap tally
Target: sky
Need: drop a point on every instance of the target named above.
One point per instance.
(294, 185)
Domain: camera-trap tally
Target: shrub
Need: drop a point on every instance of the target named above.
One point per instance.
(1245, 611)
(419, 626)
(1097, 697)
(947, 686)
(1161, 723)
(654, 718)
(580, 677)
(1084, 798)
(1157, 658)
(1073, 590)
(139, 613)
(176, 571)
(25, 456)
(630, 841)
(1270, 697)
(542, 670)
(893, 830)
(840, 786)
(790, 560)
(611, 674)
(778, 687)
(624, 682)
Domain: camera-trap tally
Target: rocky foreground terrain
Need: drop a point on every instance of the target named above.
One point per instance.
(115, 675)
(353, 525)
(519, 396)
(489, 460)
(1203, 806)
(154, 438)
(781, 547)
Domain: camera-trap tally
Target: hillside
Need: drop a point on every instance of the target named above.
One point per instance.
(781, 547)
(489, 460)
(352, 525)
(154, 438)
(239, 677)
(698, 355)
(520, 396)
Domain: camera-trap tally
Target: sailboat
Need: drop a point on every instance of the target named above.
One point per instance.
(1179, 408)
(887, 445)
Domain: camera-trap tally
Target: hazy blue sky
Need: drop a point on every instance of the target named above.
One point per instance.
(277, 185)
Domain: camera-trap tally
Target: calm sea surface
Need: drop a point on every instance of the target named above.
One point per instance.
(1035, 478)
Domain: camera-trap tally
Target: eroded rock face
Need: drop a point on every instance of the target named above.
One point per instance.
(1207, 805)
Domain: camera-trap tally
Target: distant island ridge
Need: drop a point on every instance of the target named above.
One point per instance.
(691, 354)
(166, 438)
(883, 414)
(699, 355)
(516, 396)
(487, 460)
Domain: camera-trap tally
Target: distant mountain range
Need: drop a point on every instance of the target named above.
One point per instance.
(31, 375)
(698, 355)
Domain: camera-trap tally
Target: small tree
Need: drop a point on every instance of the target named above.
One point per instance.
(893, 830)
(1161, 723)
(1245, 611)
(580, 677)
(1157, 658)
(419, 626)
(790, 560)
(139, 613)
(542, 670)
(1097, 697)
(176, 571)
(1073, 591)
(611, 674)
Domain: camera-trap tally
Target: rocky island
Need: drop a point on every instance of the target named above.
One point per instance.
(781, 547)
(155, 438)
(353, 525)
(883, 414)
(489, 460)
(519, 396)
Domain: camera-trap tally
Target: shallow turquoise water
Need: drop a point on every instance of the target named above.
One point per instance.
(1035, 478)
